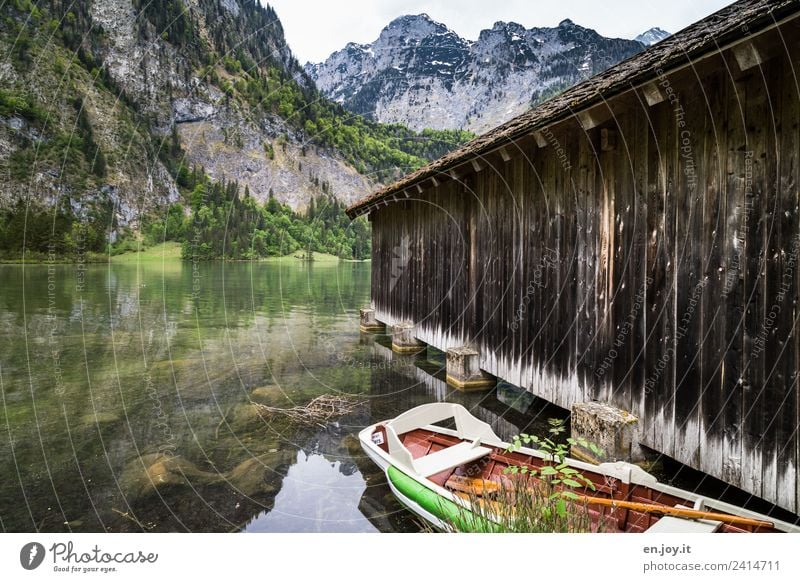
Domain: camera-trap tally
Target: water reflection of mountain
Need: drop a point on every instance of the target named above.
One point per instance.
(126, 400)
(232, 291)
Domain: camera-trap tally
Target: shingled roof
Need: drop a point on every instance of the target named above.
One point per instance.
(710, 35)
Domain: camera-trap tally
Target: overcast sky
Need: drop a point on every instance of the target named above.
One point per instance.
(316, 28)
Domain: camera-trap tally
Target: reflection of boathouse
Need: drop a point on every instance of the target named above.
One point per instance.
(632, 241)
(428, 385)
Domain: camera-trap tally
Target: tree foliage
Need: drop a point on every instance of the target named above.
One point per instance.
(222, 222)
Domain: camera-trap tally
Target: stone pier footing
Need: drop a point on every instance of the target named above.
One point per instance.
(463, 371)
(613, 431)
(368, 322)
(403, 340)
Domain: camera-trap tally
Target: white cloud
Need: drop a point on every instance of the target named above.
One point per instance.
(316, 28)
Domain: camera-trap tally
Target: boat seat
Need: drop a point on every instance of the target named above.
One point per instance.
(449, 458)
(672, 524)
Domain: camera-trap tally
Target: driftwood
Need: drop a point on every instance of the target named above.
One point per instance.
(319, 411)
(127, 515)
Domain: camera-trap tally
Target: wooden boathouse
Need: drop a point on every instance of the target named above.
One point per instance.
(633, 241)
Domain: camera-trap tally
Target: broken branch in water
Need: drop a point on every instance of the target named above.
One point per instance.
(319, 411)
(127, 515)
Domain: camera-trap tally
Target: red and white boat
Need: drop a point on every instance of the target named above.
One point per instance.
(427, 466)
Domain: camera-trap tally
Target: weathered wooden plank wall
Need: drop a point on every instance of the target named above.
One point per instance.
(656, 269)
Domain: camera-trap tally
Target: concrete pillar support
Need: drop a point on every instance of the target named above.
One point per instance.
(368, 322)
(403, 340)
(614, 431)
(463, 371)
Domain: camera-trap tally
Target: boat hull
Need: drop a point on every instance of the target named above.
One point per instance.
(436, 509)
(410, 503)
(435, 498)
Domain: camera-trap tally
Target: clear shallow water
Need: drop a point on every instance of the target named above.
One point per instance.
(127, 398)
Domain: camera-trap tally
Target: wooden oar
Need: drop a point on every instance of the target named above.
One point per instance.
(464, 486)
(493, 506)
(473, 485)
(676, 511)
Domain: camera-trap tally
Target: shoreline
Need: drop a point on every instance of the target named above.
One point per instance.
(154, 255)
(60, 261)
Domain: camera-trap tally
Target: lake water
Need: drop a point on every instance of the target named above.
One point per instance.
(128, 391)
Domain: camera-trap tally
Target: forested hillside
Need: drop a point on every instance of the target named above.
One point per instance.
(114, 112)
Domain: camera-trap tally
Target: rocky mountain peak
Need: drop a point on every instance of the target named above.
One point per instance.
(413, 19)
(652, 36)
(412, 27)
(422, 74)
(237, 117)
(508, 26)
(512, 30)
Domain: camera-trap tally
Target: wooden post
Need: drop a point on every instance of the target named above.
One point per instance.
(368, 322)
(403, 340)
(463, 371)
(614, 431)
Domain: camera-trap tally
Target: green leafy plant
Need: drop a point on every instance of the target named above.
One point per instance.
(558, 480)
(544, 499)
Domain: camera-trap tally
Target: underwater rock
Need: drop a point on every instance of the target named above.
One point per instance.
(243, 417)
(157, 472)
(269, 394)
(261, 474)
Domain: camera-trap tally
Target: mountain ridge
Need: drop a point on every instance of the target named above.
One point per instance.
(420, 73)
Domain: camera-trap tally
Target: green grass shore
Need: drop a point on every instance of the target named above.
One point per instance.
(168, 251)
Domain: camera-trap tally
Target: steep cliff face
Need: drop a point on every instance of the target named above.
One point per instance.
(287, 167)
(156, 51)
(421, 74)
(67, 138)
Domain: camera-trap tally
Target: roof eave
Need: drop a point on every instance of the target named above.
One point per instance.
(759, 24)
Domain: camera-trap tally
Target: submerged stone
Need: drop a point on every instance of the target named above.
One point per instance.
(269, 394)
(244, 416)
(260, 475)
(157, 472)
